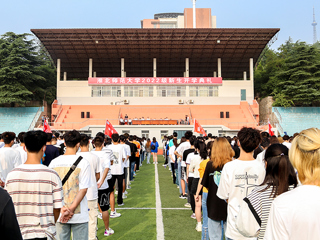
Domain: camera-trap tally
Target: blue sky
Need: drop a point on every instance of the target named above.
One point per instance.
(293, 17)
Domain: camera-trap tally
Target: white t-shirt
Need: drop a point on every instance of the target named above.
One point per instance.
(23, 154)
(188, 161)
(95, 165)
(171, 153)
(260, 158)
(195, 165)
(9, 159)
(105, 157)
(287, 144)
(295, 215)
(128, 154)
(35, 190)
(78, 180)
(1, 144)
(238, 179)
(118, 155)
(181, 148)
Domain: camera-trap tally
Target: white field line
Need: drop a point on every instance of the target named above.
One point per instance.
(160, 229)
(152, 209)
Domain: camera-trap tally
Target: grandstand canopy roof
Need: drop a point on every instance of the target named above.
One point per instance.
(170, 46)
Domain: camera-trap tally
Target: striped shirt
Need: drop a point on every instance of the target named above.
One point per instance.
(253, 216)
(35, 190)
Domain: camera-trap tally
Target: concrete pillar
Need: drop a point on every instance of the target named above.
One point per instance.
(184, 74)
(251, 69)
(122, 67)
(155, 91)
(90, 67)
(65, 76)
(154, 67)
(122, 91)
(187, 68)
(187, 91)
(125, 74)
(94, 74)
(219, 67)
(214, 74)
(58, 69)
(244, 75)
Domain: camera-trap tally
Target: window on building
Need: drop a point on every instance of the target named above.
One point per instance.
(203, 91)
(138, 91)
(125, 131)
(164, 133)
(171, 91)
(145, 133)
(106, 91)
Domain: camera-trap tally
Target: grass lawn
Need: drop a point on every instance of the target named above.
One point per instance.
(136, 224)
(177, 223)
(141, 223)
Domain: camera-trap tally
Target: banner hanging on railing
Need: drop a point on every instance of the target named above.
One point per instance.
(156, 81)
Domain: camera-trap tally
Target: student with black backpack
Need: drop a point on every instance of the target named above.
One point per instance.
(154, 150)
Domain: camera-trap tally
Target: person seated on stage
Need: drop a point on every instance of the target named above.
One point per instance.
(130, 121)
(187, 120)
(121, 121)
(135, 118)
(166, 118)
(148, 118)
(142, 118)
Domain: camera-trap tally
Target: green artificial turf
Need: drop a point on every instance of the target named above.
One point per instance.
(136, 223)
(177, 223)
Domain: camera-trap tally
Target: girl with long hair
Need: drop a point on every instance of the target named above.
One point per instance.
(221, 153)
(173, 158)
(280, 178)
(295, 214)
(148, 150)
(200, 155)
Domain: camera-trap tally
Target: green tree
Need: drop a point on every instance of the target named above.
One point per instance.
(299, 79)
(25, 73)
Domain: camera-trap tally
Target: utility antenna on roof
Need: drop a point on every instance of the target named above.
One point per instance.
(194, 14)
(314, 24)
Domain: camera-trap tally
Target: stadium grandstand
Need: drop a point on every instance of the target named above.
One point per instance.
(152, 81)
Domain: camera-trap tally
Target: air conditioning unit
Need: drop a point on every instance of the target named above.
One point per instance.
(181, 101)
(191, 102)
(112, 103)
(126, 101)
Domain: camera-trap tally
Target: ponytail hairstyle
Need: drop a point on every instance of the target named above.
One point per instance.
(280, 173)
(202, 149)
(305, 156)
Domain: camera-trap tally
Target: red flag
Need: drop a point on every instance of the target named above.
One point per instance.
(109, 129)
(198, 128)
(46, 127)
(270, 131)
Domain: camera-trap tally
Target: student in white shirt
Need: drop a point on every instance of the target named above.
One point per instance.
(75, 189)
(117, 169)
(103, 183)
(295, 214)
(239, 177)
(126, 165)
(9, 157)
(20, 149)
(92, 193)
(286, 141)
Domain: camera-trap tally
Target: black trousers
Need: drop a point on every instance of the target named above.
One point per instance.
(166, 157)
(192, 202)
(173, 173)
(119, 178)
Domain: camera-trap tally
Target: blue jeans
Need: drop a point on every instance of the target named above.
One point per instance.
(205, 233)
(132, 170)
(79, 231)
(148, 157)
(216, 229)
(179, 176)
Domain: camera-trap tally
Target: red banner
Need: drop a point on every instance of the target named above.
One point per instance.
(109, 130)
(46, 127)
(198, 128)
(156, 81)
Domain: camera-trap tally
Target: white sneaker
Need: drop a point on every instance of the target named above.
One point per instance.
(108, 232)
(116, 192)
(124, 196)
(125, 192)
(199, 227)
(100, 215)
(114, 214)
(120, 204)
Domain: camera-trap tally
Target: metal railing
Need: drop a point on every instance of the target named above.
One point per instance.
(58, 113)
(278, 114)
(35, 119)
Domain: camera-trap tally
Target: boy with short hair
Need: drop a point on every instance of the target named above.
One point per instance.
(36, 191)
(75, 189)
(239, 177)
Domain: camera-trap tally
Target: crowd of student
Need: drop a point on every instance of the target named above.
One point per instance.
(253, 186)
(55, 185)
